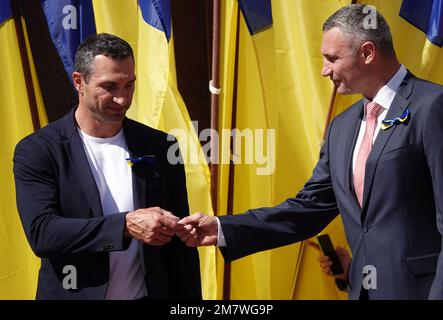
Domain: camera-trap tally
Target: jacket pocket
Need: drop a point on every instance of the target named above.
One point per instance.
(422, 265)
(397, 152)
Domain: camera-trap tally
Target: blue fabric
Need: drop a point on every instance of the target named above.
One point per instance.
(157, 13)
(426, 15)
(257, 14)
(5, 10)
(65, 33)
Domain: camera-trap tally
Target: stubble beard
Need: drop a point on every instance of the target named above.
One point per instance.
(107, 119)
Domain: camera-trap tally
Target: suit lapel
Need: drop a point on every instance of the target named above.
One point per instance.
(351, 140)
(398, 106)
(138, 180)
(75, 151)
(138, 146)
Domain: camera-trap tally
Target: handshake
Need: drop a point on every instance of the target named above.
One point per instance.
(155, 226)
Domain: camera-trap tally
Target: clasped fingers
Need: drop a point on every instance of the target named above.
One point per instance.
(153, 226)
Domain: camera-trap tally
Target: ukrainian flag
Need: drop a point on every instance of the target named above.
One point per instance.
(426, 15)
(70, 22)
(19, 267)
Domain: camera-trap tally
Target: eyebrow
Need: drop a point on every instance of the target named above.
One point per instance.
(107, 82)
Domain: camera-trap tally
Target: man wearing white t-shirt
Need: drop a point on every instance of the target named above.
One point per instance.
(104, 229)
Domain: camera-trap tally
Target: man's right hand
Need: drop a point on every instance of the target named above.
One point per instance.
(198, 230)
(326, 263)
(153, 226)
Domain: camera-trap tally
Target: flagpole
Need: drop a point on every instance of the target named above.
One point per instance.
(230, 209)
(25, 64)
(215, 92)
(214, 86)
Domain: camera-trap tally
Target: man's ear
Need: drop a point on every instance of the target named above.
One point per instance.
(368, 51)
(77, 80)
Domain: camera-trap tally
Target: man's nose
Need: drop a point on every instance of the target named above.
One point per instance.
(326, 70)
(120, 100)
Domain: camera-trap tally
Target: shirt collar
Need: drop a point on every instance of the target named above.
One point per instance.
(386, 94)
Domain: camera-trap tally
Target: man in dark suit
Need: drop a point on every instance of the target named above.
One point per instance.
(384, 178)
(104, 229)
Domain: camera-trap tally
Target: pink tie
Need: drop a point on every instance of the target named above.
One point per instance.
(372, 110)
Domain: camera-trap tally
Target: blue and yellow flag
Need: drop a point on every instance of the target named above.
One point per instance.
(157, 13)
(427, 16)
(5, 10)
(19, 266)
(69, 22)
(257, 14)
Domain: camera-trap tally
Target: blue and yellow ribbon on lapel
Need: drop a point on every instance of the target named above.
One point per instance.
(386, 124)
(149, 159)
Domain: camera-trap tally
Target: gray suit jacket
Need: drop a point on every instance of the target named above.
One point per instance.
(398, 229)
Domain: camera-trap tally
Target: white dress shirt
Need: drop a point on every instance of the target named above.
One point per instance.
(384, 98)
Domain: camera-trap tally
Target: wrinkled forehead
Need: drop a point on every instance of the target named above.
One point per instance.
(335, 41)
(105, 66)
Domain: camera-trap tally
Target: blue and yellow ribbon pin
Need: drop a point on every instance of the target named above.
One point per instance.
(386, 124)
(149, 159)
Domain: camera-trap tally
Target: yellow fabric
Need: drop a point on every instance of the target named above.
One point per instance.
(304, 98)
(296, 106)
(228, 30)
(19, 267)
(279, 87)
(158, 104)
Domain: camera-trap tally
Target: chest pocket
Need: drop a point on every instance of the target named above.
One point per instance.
(402, 151)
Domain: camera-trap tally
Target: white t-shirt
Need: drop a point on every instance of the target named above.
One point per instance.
(113, 176)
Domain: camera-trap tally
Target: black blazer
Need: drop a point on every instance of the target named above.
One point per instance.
(399, 229)
(60, 209)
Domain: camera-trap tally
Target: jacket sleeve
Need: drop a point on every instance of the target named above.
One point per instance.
(433, 147)
(296, 219)
(48, 231)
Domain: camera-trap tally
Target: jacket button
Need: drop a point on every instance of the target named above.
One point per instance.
(365, 229)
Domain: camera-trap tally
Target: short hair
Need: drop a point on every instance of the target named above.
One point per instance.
(351, 20)
(100, 44)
